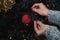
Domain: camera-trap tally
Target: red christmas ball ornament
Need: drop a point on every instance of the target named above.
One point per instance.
(26, 19)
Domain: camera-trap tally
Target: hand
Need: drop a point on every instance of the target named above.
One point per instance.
(40, 8)
(39, 27)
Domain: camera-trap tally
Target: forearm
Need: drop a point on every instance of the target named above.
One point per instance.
(54, 17)
(52, 33)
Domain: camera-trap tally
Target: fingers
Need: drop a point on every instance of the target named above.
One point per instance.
(41, 25)
(35, 26)
(37, 4)
(41, 28)
(35, 10)
(39, 22)
(35, 7)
